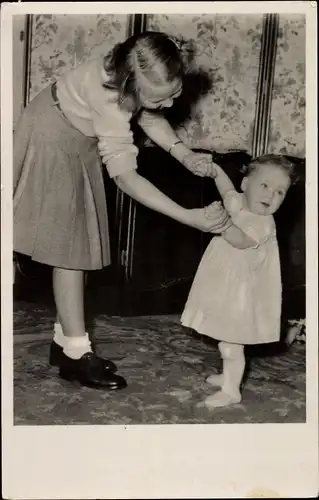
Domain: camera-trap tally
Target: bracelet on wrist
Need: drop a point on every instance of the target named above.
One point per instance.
(173, 145)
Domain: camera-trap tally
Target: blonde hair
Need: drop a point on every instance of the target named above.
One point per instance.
(151, 55)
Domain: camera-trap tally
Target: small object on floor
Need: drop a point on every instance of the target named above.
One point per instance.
(57, 354)
(90, 371)
(222, 399)
(215, 380)
(296, 332)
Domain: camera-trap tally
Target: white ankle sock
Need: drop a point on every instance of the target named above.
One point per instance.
(75, 347)
(58, 338)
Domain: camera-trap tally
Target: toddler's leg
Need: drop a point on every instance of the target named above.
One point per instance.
(233, 371)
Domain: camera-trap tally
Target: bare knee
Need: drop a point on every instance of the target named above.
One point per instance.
(68, 276)
(231, 351)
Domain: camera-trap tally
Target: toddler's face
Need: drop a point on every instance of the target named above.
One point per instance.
(265, 189)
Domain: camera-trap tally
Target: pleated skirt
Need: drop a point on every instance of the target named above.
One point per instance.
(59, 204)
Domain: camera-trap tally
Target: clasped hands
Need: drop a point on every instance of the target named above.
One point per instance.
(200, 164)
(213, 218)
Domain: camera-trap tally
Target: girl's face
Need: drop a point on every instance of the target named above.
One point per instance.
(159, 96)
(265, 189)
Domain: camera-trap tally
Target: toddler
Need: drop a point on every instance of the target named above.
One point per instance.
(236, 294)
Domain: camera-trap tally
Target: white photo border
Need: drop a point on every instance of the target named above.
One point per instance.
(165, 461)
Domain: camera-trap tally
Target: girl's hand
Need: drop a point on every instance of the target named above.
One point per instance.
(217, 213)
(212, 219)
(200, 164)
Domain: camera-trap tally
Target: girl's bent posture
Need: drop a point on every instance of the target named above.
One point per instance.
(60, 214)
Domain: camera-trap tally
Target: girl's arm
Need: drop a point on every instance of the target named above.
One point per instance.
(160, 131)
(141, 190)
(157, 128)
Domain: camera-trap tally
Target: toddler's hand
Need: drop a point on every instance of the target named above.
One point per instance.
(200, 164)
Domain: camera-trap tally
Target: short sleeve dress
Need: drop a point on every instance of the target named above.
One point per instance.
(236, 294)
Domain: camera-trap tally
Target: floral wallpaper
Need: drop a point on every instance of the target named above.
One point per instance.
(60, 42)
(228, 48)
(287, 130)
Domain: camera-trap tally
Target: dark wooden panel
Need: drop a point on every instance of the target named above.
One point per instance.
(166, 253)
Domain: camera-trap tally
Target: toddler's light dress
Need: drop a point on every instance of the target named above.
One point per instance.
(236, 294)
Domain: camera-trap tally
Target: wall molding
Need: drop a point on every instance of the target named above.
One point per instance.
(125, 205)
(136, 24)
(28, 46)
(266, 72)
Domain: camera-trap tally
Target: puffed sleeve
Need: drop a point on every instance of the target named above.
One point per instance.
(259, 228)
(233, 202)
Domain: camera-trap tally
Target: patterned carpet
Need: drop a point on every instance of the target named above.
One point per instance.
(165, 366)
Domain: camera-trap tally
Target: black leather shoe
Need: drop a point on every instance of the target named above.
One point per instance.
(57, 355)
(90, 371)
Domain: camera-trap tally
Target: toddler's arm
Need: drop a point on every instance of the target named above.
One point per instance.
(234, 235)
(222, 181)
(238, 239)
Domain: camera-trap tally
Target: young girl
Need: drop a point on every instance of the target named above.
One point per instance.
(236, 294)
(60, 214)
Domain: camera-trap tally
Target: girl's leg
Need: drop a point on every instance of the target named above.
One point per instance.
(69, 329)
(233, 371)
(58, 327)
(68, 286)
(91, 371)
